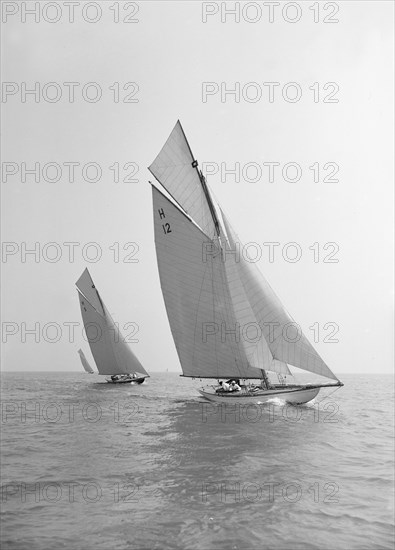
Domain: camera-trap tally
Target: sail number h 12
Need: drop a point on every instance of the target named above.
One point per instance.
(166, 226)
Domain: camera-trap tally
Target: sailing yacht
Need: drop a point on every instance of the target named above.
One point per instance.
(214, 297)
(85, 364)
(112, 355)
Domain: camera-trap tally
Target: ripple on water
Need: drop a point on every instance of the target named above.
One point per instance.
(163, 469)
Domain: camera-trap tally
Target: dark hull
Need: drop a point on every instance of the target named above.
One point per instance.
(128, 381)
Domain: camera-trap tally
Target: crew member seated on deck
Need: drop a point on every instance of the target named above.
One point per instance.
(234, 386)
(225, 386)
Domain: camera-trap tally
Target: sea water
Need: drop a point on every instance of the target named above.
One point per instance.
(89, 465)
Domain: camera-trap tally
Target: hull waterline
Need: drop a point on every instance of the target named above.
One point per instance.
(134, 381)
(295, 396)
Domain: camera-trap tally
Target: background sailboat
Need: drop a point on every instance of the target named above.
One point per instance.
(214, 297)
(85, 363)
(112, 355)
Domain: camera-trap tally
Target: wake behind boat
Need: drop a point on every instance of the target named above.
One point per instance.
(214, 295)
(112, 355)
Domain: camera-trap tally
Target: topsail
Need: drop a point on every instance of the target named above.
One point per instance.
(176, 170)
(225, 319)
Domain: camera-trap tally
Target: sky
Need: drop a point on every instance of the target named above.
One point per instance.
(133, 79)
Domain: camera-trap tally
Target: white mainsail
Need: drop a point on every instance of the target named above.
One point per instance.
(206, 286)
(197, 297)
(85, 363)
(112, 355)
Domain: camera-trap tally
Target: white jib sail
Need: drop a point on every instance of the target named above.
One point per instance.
(111, 353)
(85, 363)
(283, 336)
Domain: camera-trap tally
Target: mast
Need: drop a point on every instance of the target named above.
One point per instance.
(217, 227)
(265, 379)
(208, 197)
(202, 180)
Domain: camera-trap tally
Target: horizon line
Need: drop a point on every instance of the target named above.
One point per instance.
(175, 372)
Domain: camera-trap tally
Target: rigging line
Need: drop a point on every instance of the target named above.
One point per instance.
(208, 197)
(197, 310)
(230, 312)
(213, 295)
(202, 180)
(185, 137)
(100, 300)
